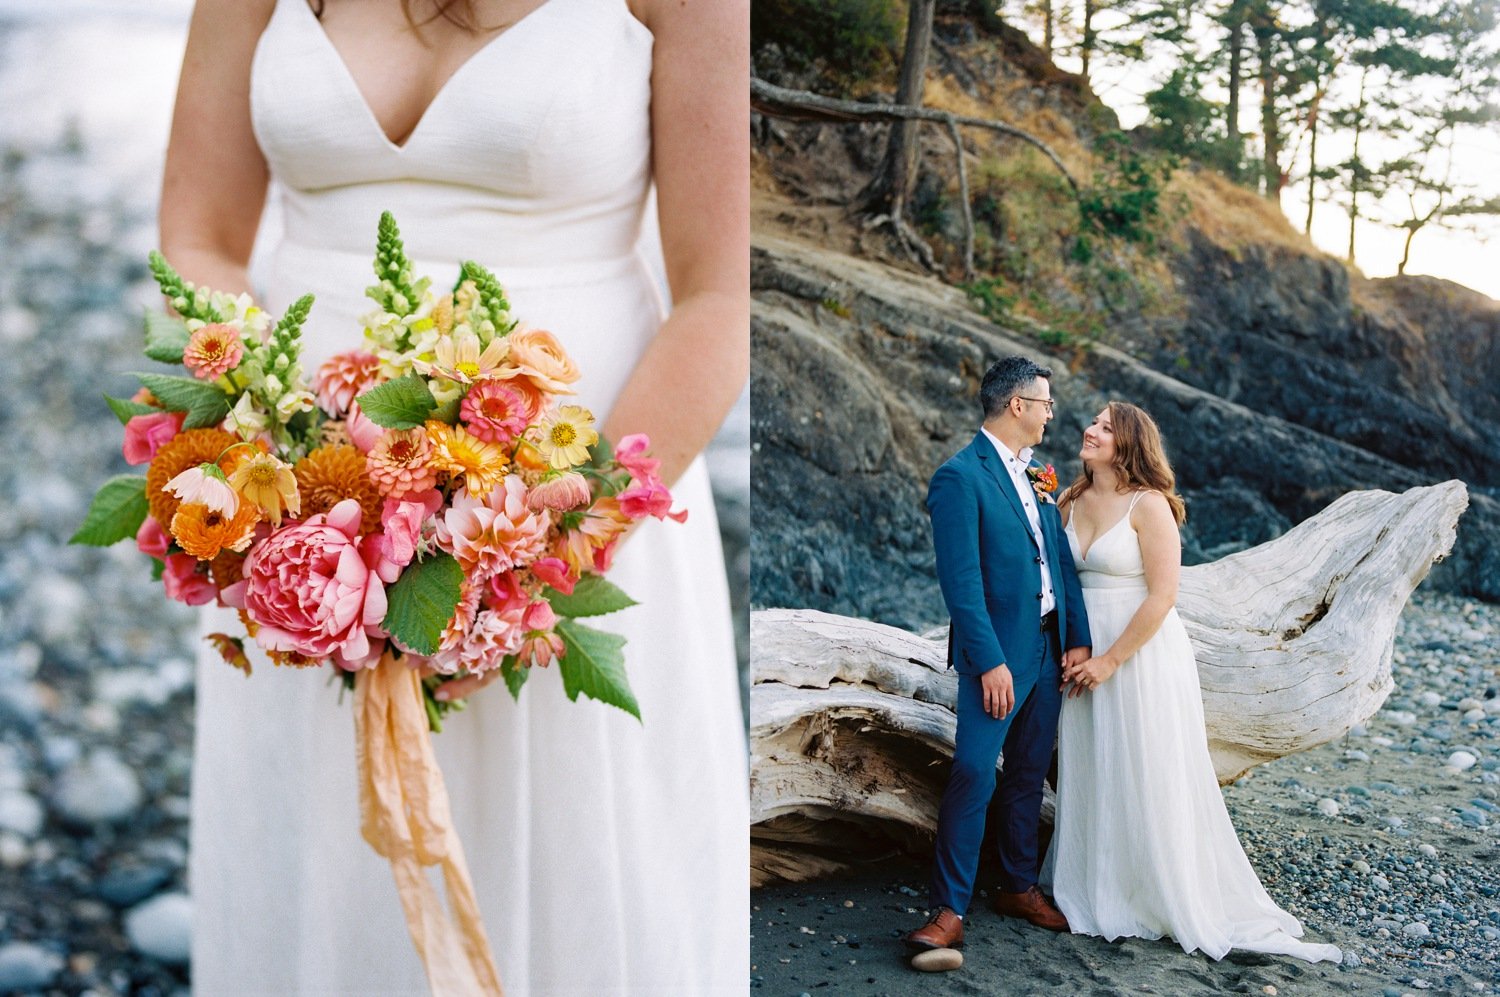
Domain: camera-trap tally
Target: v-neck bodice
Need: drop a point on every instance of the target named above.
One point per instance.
(535, 152)
(1113, 558)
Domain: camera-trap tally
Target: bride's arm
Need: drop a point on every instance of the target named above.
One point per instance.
(1161, 556)
(214, 182)
(698, 363)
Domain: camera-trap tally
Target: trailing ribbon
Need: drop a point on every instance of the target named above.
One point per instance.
(404, 815)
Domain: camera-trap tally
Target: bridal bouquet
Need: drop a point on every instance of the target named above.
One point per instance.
(431, 496)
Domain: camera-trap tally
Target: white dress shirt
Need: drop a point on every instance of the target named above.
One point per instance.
(1015, 465)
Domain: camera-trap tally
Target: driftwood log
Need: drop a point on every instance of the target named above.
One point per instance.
(852, 722)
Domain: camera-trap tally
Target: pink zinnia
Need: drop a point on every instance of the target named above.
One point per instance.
(316, 589)
(343, 377)
(213, 351)
(495, 533)
(566, 491)
(398, 462)
(146, 434)
(496, 412)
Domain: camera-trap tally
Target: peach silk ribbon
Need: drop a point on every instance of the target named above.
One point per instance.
(404, 815)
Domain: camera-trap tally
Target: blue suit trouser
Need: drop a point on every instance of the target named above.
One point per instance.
(1026, 735)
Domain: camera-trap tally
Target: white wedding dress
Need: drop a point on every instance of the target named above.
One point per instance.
(1143, 846)
(609, 856)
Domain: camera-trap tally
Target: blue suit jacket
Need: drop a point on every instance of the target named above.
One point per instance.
(989, 567)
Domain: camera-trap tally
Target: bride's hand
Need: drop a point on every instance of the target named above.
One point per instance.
(457, 689)
(1087, 675)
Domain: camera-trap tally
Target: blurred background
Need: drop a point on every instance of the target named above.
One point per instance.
(96, 672)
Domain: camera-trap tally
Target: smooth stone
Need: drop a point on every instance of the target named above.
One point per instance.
(1403, 718)
(1469, 703)
(1427, 850)
(1360, 866)
(21, 813)
(1474, 716)
(1429, 698)
(1438, 879)
(1380, 882)
(1462, 761)
(100, 789)
(13, 851)
(1473, 817)
(1416, 929)
(131, 882)
(1328, 808)
(937, 960)
(1355, 755)
(24, 966)
(162, 928)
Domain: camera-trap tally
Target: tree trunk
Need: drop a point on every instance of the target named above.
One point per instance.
(1321, 34)
(852, 722)
(1265, 39)
(1089, 9)
(1236, 70)
(1048, 27)
(898, 172)
(1355, 167)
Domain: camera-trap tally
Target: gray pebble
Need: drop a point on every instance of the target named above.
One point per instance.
(21, 813)
(1416, 929)
(24, 966)
(162, 928)
(101, 789)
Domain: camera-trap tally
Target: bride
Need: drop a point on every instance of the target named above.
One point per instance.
(1143, 845)
(608, 855)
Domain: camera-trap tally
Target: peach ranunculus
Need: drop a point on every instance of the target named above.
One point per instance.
(568, 490)
(316, 589)
(495, 533)
(540, 358)
(342, 378)
(213, 351)
(400, 462)
(146, 434)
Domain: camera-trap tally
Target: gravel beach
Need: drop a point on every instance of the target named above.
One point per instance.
(1383, 842)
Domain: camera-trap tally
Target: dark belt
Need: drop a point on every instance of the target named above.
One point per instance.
(1049, 622)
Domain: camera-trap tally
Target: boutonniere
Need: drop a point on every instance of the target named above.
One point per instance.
(1043, 481)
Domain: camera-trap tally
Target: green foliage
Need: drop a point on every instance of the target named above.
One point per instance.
(847, 40)
(404, 403)
(1124, 199)
(1183, 122)
(988, 295)
(126, 410)
(592, 596)
(189, 301)
(835, 306)
(422, 601)
(205, 404)
(166, 337)
(490, 315)
(514, 675)
(395, 291)
(117, 512)
(593, 663)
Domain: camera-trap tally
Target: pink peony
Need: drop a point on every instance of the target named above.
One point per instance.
(151, 539)
(496, 412)
(213, 351)
(630, 454)
(184, 583)
(495, 533)
(146, 434)
(649, 498)
(314, 588)
(342, 377)
(552, 571)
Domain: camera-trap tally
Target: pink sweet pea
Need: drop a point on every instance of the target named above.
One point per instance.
(401, 525)
(630, 453)
(649, 498)
(363, 433)
(506, 593)
(554, 571)
(541, 646)
(146, 434)
(183, 582)
(152, 540)
(313, 588)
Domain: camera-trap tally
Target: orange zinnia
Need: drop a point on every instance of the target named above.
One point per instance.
(204, 532)
(329, 475)
(187, 449)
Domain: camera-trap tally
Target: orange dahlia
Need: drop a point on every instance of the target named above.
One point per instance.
(329, 475)
(227, 568)
(187, 449)
(204, 531)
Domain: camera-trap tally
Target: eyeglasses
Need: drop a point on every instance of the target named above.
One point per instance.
(1045, 401)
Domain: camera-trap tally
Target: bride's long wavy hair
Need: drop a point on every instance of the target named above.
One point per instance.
(459, 12)
(1140, 460)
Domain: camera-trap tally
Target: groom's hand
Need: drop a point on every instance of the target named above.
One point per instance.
(999, 692)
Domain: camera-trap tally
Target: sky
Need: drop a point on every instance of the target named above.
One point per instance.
(1468, 258)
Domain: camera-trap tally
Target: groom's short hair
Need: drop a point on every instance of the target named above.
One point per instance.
(1005, 378)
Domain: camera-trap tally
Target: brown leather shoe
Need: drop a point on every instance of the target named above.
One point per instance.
(1031, 906)
(943, 930)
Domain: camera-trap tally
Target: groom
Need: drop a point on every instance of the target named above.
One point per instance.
(1012, 593)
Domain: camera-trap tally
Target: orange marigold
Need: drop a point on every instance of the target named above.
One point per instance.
(185, 450)
(329, 475)
(205, 532)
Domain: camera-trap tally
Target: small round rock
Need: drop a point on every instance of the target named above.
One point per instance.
(937, 960)
(1328, 807)
(24, 966)
(1461, 760)
(162, 927)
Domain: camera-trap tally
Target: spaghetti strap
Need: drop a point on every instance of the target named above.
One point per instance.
(1137, 498)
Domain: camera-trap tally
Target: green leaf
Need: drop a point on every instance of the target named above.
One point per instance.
(592, 596)
(448, 411)
(166, 337)
(126, 410)
(514, 675)
(420, 604)
(204, 403)
(117, 512)
(594, 664)
(404, 403)
(601, 453)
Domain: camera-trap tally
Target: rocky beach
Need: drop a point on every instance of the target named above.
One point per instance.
(96, 665)
(1383, 842)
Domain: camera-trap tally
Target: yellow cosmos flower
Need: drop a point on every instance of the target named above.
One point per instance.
(269, 485)
(567, 436)
(482, 464)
